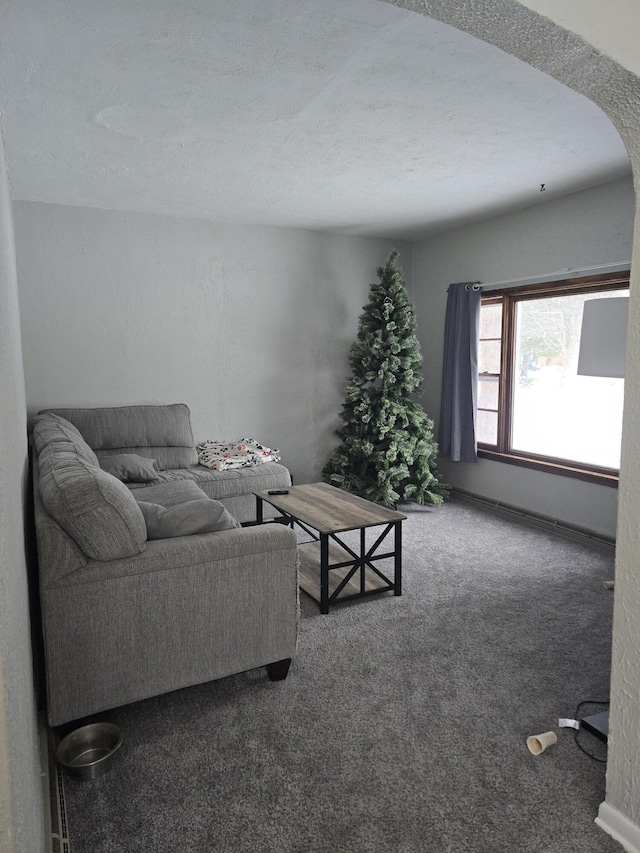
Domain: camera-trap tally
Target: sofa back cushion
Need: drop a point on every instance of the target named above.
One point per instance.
(58, 432)
(94, 508)
(162, 433)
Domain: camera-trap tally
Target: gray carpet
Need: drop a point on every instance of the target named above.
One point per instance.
(402, 724)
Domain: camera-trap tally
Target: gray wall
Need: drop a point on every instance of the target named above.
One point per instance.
(587, 228)
(21, 805)
(249, 326)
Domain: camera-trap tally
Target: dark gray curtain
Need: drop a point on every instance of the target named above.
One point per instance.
(458, 408)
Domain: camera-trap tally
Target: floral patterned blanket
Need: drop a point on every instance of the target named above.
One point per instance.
(221, 455)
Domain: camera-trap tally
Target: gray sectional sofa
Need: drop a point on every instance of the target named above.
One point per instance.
(148, 587)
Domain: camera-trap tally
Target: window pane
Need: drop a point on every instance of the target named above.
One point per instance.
(488, 392)
(487, 427)
(491, 321)
(556, 412)
(489, 357)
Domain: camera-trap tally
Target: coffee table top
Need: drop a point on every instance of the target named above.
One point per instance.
(330, 510)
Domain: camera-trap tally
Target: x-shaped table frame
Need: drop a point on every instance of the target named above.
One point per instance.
(359, 562)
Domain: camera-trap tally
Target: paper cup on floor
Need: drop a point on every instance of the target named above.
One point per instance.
(538, 743)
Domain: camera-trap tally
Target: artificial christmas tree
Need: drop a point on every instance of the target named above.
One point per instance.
(388, 452)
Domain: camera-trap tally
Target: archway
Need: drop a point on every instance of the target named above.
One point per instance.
(544, 45)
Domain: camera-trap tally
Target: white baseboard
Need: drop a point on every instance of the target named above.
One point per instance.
(56, 830)
(619, 827)
(45, 769)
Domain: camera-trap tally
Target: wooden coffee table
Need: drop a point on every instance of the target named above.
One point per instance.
(330, 571)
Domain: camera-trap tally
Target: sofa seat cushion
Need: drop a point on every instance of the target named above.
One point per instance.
(95, 509)
(220, 485)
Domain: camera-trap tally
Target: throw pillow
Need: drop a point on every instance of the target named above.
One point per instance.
(185, 519)
(130, 468)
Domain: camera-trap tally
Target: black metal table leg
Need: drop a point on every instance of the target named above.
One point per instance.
(397, 559)
(258, 509)
(324, 573)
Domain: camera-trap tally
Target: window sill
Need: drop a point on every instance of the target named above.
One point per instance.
(563, 469)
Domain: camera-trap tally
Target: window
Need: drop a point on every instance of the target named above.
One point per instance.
(533, 407)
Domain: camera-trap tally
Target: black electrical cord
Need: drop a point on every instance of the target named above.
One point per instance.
(575, 737)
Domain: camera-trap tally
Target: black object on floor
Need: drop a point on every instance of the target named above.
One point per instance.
(597, 724)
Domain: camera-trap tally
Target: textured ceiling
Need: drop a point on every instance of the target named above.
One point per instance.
(352, 116)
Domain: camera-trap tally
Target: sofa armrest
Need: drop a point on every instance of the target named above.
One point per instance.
(185, 552)
(186, 611)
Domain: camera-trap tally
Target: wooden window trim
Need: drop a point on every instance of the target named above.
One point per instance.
(551, 466)
(584, 284)
(488, 373)
(509, 297)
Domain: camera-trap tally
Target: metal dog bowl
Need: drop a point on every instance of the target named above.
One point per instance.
(88, 752)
